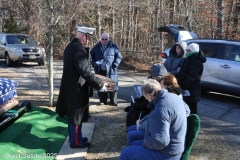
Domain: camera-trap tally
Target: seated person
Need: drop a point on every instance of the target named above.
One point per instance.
(140, 106)
(165, 137)
(136, 132)
(170, 83)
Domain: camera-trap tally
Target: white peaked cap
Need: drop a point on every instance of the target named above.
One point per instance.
(86, 30)
(194, 47)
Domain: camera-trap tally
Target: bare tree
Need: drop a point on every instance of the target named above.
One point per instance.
(231, 9)
(220, 19)
(130, 23)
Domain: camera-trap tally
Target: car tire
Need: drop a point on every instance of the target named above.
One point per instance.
(204, 91)
(8, 61)
(41, 63)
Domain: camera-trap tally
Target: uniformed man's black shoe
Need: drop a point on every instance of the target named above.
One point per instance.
(84, 139)
(85, 145)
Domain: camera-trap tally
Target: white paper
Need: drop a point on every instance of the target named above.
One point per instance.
(99, 62)
(132, 99)
(137, 89)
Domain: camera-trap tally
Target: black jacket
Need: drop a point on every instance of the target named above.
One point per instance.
(190, 75)
(139, 108)
(76, 80)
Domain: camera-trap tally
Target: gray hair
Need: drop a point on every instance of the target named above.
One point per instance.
(105, 35)
(151, 86)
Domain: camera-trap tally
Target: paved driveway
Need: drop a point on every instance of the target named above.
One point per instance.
(219, 137)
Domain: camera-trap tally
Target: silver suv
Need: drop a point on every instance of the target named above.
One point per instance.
(222, 70)
(20, 48)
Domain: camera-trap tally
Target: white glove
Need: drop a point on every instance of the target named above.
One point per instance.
(104, 88)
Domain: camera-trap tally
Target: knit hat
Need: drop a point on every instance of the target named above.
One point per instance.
(193, 47)
(158, 70)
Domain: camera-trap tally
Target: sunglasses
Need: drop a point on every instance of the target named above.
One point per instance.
(104, 39)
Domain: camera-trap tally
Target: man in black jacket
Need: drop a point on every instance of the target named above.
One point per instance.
(190, 76)
(76, 83)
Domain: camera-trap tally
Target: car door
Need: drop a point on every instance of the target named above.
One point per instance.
(229, 70)
(210, 74)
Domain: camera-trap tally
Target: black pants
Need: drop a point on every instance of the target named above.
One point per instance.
(192, 107)
(103, 96)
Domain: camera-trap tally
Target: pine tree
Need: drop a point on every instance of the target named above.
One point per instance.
(11, 26)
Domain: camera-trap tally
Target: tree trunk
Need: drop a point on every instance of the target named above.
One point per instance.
(211, 24)
(172, 11)
(98, 28)
(72, 30)
(156, 32)
(50, 55)
(227, 33)
(113, 21)
(235, 21)
(220, 19)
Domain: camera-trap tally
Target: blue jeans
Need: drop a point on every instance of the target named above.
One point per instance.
(132, 128)
(135, 135)
(142, 153)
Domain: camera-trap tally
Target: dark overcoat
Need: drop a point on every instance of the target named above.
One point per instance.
(76, 80)
(112, 58)
(190, 74)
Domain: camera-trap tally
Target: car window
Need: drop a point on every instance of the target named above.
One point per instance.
(20, 39)
(209, 49)
(231, 52)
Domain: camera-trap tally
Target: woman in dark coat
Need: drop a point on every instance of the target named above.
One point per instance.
(76, 80)
(106, 58)
(190, 76)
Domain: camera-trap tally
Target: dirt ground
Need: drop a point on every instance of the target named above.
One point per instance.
(109, 136)
(217, 140)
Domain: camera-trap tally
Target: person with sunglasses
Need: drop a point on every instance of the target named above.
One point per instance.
(106, 58)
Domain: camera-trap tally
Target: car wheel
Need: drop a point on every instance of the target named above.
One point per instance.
(8, 61)
(41, 63)
(203, 91)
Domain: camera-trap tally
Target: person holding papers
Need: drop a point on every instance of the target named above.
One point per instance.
(136, 132)
(158, 71)
(106, 58)
(165, 131)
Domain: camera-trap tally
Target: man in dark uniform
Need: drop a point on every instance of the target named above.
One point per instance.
(76, 83)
